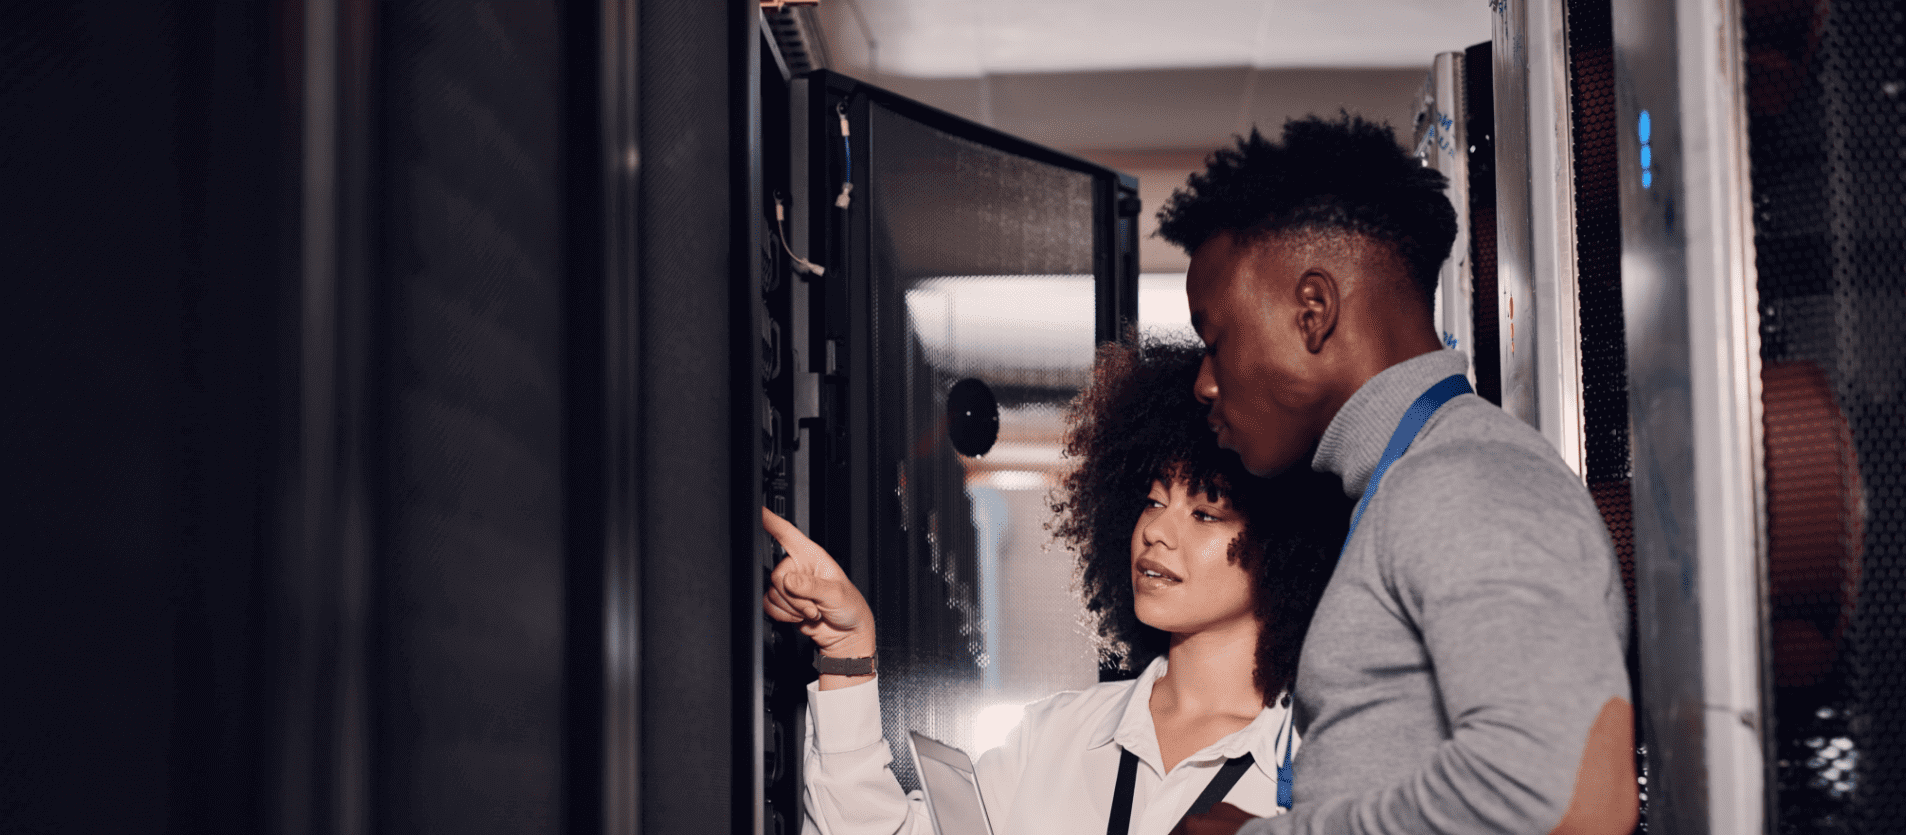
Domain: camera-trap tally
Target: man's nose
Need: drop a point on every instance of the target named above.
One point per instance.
(1205, 387)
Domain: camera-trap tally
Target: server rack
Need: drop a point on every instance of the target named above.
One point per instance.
(1452, 131)
(1761, 152)
(900, 204)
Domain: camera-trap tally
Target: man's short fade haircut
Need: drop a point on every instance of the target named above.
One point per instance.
(1345, 174)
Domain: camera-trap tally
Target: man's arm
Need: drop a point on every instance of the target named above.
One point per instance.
(1605, 802)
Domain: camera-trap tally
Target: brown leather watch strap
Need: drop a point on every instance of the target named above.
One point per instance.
(844, 666)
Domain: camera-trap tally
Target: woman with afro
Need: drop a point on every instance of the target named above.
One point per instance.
(1198, 577)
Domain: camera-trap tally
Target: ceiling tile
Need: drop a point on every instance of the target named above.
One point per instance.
(1370, 33)
(933, 38)
(1129, 110)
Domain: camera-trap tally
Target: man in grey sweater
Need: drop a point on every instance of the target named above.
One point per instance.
(1464, 671)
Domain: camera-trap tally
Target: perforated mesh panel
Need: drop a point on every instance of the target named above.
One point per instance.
(1825, 107)
(1479, 103)
(981, 267)
(1598, 274)
(1598, 242)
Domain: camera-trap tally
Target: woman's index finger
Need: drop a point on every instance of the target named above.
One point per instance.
(796, 543)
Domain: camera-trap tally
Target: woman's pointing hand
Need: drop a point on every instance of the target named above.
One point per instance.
(810, 589)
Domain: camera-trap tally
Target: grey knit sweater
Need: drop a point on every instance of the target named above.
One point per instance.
(1470, 634)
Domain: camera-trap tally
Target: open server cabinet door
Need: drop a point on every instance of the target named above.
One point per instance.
(968, 277)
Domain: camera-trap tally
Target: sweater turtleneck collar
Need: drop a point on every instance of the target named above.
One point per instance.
(1354, 441)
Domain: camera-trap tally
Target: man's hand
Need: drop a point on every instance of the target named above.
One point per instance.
(1223, 819)
(810, 589)
(1606, 799)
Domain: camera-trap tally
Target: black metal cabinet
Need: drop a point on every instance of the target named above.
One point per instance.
(949, 252)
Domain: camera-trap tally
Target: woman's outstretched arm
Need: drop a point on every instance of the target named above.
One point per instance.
(848, 788)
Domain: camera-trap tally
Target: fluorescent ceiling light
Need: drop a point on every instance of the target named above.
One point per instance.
(1037, 322)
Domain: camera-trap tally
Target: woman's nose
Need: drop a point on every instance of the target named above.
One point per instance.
(1158, 528)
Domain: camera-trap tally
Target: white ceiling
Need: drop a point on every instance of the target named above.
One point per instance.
(971, 38)
(1149, 87)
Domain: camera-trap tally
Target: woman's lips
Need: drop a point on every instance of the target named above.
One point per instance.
(1150, 576)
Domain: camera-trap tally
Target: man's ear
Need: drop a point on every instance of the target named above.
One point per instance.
(1319, 303)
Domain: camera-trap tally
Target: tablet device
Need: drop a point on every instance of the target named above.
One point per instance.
(952, 790)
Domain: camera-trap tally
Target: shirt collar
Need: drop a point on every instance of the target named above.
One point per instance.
(1353, 443)
(1130, 725)
(1131, 722)
(1263, 738)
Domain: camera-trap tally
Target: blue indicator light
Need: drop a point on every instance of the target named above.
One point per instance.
(1644, 129)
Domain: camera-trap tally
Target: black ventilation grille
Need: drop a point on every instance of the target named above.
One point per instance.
(1825, 106)
(1604, 369)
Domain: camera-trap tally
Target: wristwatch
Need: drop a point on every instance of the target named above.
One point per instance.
(844, 666)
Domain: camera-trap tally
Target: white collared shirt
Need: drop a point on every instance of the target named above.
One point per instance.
(1055, 773)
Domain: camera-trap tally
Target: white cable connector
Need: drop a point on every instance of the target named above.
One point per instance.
(802, 264)
(846, 196)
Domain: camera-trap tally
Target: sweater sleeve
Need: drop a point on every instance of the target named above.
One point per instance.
(850, 789)
(1515, 594)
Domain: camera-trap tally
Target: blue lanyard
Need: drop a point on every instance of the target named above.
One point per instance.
(1413, 419)
(1284, 771)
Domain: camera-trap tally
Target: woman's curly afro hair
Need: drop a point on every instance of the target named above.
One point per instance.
(1137, 422)
(1343, 175)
